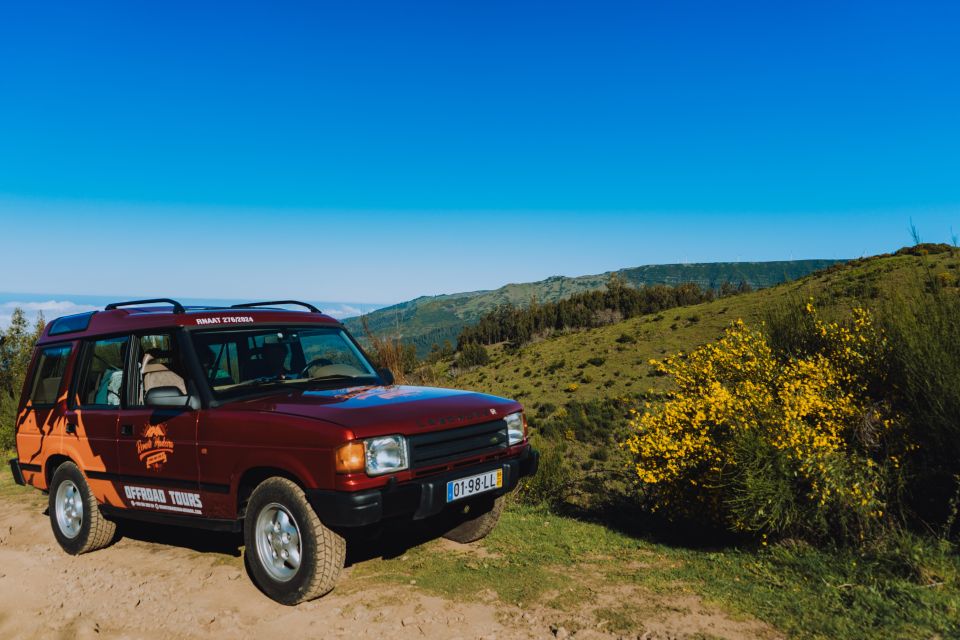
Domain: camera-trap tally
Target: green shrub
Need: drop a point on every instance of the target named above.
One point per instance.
(787, 444)
(556, 365)
(920, 378)
(601, 454)
(923, 329)
(554, 481)
(8, 417)
(593, 422)
(473, 355)
(16, 348)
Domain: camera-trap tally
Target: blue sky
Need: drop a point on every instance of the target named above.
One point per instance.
(374, 152)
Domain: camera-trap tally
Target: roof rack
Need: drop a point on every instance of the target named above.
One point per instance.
(253, 305)
(177, 307)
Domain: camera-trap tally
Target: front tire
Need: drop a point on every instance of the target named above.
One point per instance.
(291, 555)
(476, 521)
(75, 516)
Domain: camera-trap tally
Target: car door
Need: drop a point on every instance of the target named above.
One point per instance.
(157, 447)
(93, 407)
(39, 426)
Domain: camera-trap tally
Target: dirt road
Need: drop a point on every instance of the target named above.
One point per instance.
(165, 582)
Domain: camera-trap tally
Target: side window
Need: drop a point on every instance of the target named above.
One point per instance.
(101, 380)
(49, 374)
(158, 365)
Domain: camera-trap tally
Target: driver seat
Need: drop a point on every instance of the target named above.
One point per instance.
(156, 374)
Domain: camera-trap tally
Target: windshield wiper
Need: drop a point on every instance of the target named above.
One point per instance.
(262, 380)
(337, 376)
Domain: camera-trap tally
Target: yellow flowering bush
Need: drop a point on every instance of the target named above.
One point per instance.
(771, 442)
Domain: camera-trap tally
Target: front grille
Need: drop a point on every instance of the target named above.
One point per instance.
(440, 447)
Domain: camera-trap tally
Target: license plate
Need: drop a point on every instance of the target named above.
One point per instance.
(471, 486)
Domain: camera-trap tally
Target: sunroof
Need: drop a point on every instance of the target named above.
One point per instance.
(70, 324)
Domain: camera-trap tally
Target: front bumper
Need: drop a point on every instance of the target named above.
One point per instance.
(416, 499)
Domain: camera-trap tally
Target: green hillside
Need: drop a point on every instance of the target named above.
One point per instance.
(579, 386)
(613, 361)
(433, 319)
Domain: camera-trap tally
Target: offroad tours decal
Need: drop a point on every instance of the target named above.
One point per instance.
(164, 499)
(154, 448)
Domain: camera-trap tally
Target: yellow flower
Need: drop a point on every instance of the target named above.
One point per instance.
(809, 408)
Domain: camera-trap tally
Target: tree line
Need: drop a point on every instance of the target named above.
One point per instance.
(618, 301)
(16, 348)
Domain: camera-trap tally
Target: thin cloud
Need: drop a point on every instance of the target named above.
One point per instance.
(343, 311)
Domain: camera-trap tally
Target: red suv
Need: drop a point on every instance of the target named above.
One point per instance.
(258, 419)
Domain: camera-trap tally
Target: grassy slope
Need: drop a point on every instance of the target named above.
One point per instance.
(543, 372)
(443, 316)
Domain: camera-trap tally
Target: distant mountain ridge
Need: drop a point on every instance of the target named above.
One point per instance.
(427, 320)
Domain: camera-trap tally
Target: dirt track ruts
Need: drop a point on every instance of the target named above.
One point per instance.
(168, 582)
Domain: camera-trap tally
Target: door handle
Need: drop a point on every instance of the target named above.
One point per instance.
(71, 427)
(126, 429)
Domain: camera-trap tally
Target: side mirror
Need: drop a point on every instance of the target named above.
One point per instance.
(170, 397)
(386, 375)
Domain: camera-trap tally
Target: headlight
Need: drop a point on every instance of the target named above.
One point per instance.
(516, 428)
(386, 454)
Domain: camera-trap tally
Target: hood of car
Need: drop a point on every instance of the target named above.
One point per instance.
(382, 410)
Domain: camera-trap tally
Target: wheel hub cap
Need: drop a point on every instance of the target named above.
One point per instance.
(278, 542)
(69, 509)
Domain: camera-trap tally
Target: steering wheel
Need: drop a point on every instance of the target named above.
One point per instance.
(316, 362)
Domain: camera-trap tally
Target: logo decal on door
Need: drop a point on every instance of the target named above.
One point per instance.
(154, 448)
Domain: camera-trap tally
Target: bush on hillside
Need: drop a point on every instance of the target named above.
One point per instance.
(925, 249)
(920, 320)
(788, 444)
(555, 480)
(390, 352)
(473, 355)
(923, 329)
(593, 422)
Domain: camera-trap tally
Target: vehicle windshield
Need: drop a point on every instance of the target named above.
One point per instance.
(244, 360)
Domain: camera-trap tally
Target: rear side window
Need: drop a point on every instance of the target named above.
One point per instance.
(49, 374)
(101, 381)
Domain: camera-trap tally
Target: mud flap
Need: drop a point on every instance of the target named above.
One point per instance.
(15, 470)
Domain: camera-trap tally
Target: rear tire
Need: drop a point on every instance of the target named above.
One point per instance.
(75, 516)
(290, 554)
(476, 522)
